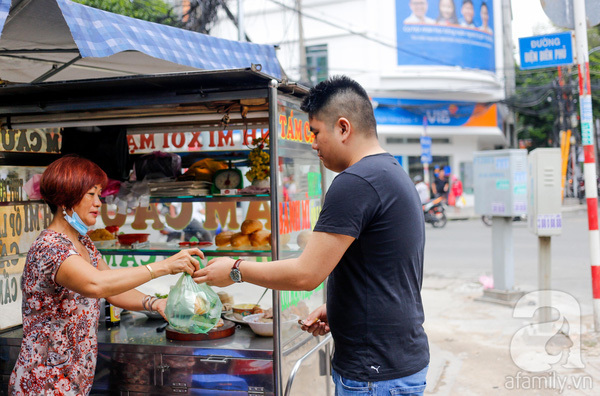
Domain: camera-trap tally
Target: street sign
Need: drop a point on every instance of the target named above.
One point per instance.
(546, 51)
(561, 12)
(426, 150)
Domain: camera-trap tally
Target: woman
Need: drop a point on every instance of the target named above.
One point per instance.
(447, 13)
(484, 12)
(63, 278)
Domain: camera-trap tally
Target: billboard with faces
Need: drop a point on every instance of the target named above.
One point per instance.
(446, 33)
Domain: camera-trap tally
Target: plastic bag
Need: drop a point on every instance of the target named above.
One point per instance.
(191, 307)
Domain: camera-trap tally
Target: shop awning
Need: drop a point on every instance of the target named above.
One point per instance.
(57, 40)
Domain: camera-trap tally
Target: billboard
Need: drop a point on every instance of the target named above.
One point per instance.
(411, 112)
(446, 33)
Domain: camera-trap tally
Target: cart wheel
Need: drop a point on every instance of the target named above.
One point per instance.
(487, 220)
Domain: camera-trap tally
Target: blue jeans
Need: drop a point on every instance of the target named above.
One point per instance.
(411, 385)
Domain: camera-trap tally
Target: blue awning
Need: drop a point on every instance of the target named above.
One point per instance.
(62, 40)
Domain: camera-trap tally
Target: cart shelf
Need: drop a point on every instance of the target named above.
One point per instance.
(166, 249)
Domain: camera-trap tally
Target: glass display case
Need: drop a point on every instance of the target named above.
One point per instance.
(204, 116)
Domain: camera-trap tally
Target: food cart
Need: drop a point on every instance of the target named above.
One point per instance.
(197, 115)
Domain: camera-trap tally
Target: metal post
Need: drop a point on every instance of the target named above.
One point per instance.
(587, 137)
(274, 166)
(425, 164)
(503, 253)
(544, 277)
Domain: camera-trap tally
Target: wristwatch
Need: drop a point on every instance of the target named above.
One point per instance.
(236, 274)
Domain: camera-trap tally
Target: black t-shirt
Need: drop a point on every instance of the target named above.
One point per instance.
(374, 304)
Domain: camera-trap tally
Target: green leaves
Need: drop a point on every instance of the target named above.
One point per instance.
(148, 10)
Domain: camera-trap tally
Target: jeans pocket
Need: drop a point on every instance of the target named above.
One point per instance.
(416, 390)
(345, 386)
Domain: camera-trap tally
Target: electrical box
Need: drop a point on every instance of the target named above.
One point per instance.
(544, 214)
(500, 182)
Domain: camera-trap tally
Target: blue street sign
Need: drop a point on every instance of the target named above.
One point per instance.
(426, 150)
(546, 51)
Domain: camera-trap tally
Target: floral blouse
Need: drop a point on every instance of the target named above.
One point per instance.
(60, 347)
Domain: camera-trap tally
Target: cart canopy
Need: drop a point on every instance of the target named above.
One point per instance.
(58, 40)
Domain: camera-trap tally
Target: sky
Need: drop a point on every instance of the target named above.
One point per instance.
(529, 19)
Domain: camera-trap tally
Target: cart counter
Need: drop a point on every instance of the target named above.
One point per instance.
(135, 359)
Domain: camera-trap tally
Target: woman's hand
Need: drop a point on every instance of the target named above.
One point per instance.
(159, 306)
(183, 261)
(316, 322)
(216, 273)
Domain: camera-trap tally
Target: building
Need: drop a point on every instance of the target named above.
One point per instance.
(426, 76)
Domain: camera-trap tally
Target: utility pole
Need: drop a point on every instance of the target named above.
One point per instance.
(587, 138)
(241, 34)
(302, 49)
(509, 72)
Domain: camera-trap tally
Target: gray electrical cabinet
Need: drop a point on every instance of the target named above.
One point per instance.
(500, 182)
(544, 192)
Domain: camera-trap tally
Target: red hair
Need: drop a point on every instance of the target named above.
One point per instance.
(68, 179)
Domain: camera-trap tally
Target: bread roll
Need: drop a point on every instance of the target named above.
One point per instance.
(284, 239)
(225, 297)
(303, 237)
(223, 238)
(260, 238)
(250, 226)
(239, 239)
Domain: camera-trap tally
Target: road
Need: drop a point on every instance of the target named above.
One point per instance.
(471, 341)
(463, 250)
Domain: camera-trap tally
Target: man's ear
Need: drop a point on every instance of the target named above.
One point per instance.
(345, 126)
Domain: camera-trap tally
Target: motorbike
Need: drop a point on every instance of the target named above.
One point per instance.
(435, 213)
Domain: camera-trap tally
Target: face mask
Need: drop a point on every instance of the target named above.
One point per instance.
(76, 222)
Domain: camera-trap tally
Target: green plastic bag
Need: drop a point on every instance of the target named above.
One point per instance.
(191, 307)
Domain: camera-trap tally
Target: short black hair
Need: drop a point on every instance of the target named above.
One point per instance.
(467, 2)
(341, 96)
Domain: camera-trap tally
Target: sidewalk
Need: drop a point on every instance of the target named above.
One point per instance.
(471, 345)
(468, 212)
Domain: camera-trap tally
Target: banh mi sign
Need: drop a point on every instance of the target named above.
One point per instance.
(193, 140)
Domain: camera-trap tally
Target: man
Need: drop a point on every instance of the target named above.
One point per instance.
(440, 184)
(369, 239)
(419, 9)
(468, 13)
(421, 188)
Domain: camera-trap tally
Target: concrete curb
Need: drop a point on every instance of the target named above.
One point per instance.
(454, 214)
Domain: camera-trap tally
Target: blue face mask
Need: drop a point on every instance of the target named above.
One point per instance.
(76, 222)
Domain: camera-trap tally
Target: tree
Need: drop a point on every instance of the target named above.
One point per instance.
(199, 16)
(540, 99)
(148, 10)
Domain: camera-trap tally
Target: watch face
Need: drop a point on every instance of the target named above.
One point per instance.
(228, 179)
(235, 275)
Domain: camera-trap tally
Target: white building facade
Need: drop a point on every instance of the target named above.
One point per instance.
(426, 76)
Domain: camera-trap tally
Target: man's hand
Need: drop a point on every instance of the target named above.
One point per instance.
(316, 323)
(216, 273)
